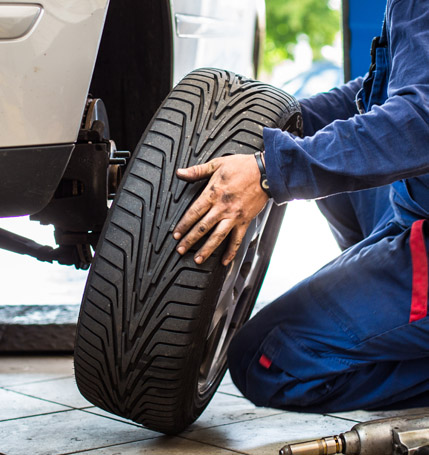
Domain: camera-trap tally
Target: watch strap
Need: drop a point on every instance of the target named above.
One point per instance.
(263, 181)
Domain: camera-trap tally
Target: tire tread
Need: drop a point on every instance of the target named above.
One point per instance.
(144, 306)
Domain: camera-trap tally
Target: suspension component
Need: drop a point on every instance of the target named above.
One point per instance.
(80, 203)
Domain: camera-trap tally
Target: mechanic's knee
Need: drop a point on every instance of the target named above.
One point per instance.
(250, 369)
(263, 382)
(249, 376)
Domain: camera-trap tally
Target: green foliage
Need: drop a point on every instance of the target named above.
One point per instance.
(288, 19)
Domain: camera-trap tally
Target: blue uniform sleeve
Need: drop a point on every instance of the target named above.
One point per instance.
(388, 143)
(322, 109)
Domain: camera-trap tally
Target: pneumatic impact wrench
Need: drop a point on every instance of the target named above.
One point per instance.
(407, 435)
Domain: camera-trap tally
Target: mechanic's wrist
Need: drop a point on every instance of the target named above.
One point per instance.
(260, 160)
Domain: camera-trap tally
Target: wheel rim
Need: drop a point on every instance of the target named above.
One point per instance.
(232, 307)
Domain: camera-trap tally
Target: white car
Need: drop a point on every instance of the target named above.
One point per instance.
(60, 57)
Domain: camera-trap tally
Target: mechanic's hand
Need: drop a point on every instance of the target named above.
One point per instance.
(230, 201)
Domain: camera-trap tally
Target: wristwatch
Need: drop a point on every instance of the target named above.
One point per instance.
(264, 181)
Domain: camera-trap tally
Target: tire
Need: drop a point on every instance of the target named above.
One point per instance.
(154, 327)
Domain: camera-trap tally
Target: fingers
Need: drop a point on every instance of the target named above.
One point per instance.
(223, 228)
(216, 238)
(235, 241)
(199, 171)
(195, 212)
(200, 229)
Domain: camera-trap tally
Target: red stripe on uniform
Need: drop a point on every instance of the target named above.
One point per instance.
(265, 361)
(419, 296)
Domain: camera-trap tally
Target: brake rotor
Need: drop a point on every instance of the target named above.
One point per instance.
(96, 110)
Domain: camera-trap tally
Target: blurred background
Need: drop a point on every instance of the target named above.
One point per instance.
(303, 56)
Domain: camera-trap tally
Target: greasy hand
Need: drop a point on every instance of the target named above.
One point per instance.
(229, 202)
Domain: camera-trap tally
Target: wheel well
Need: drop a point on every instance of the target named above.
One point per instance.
(133, 71)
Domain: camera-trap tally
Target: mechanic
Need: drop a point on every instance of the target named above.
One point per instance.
(356, 333)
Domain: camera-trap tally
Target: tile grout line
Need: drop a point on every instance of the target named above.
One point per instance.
(115, 419)
(111, 445)
(39, 381)
(81, 408)
(104, 447)
(232, 395)
(343, 418)
(36, 415)
(237, 421)
(213, 445)
(42, 399)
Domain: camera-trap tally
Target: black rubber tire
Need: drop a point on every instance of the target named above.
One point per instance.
(146, 326)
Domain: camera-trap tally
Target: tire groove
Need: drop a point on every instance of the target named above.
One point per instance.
(128, 233)
(97, 306)
(114, 308)
(128, 212)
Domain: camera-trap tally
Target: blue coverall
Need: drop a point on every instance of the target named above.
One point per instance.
(356, 333)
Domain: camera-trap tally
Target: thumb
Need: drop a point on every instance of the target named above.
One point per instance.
(198, 172)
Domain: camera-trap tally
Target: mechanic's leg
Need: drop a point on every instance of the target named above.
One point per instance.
(342, 339)
(353, 216)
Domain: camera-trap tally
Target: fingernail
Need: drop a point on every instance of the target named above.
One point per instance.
(181, 250)
(199, 259)
(177, 235)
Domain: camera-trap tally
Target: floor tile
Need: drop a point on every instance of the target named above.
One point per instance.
(163, 445)
(363, 416)
(226, 379)
(226, 409)
(230, 389)
(14, 405)
(25, 369)
(44, 387)
(266, 435)
(66, 432)
(62, 391)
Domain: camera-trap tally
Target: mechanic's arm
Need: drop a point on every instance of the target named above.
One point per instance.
(386, 144)
(229, 202)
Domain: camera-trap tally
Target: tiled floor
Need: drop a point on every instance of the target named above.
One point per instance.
(42, 413)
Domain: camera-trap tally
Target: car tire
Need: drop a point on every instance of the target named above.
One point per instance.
(154, 327)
